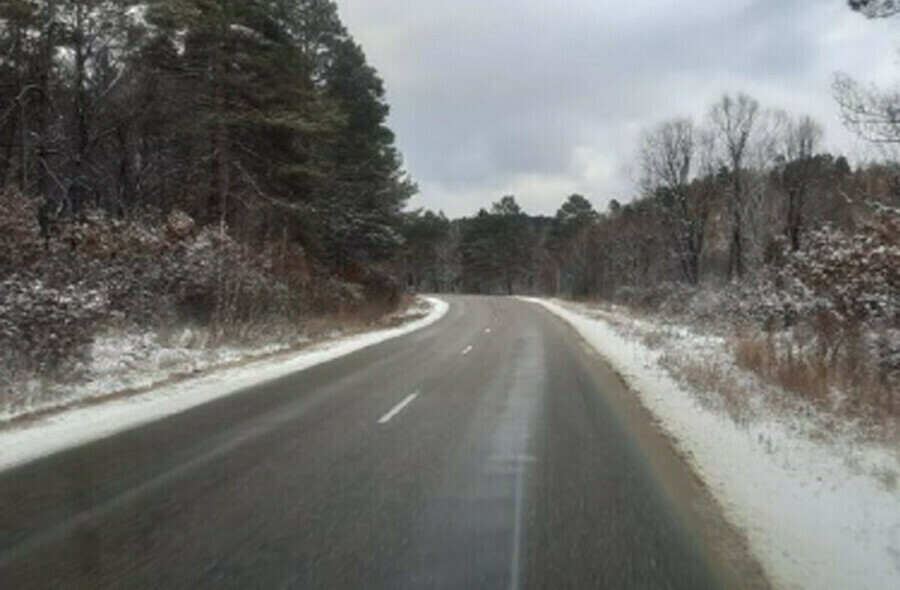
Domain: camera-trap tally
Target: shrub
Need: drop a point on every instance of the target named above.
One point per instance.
(20, 234)
(854, 277)
(97, 270)
(43, 328)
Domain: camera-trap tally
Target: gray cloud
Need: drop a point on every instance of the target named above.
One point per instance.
(542, 98)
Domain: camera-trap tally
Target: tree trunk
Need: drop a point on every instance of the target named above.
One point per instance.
(76, 186)
(45, 69)
(795, 217)
(218, 207)
(223, 166)
(736, 266)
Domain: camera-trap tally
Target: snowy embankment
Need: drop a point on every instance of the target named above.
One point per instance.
(819, 511)
(20, 443)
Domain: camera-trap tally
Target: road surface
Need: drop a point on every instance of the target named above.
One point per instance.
(489, 450)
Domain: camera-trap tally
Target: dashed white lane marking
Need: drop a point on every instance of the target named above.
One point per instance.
(487, 330)
(398, 408)
(468, 349)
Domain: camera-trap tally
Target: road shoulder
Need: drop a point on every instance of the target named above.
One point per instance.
(725, 547)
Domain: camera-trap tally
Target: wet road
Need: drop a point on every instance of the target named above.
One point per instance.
(480, 452)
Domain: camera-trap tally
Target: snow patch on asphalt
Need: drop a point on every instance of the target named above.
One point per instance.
(814, 511)
(44, 436)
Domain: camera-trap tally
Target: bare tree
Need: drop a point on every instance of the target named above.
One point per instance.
(761, 204)
(871, 113)
(735, 120)
(666, 155)
(800, 141)
(876, 8)
(667, 159)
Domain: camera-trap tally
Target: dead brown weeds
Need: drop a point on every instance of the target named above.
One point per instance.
(830, 372)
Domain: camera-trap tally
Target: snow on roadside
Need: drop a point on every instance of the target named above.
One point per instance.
(56, 432)
(136, 361)
(126, 361)
(815, 513)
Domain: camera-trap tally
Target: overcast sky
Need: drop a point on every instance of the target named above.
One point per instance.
(543, 98)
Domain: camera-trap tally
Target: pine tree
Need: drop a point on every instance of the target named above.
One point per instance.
(369, 189)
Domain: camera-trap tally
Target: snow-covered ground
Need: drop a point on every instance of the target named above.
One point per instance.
(27, 441)
(127, 361)
(136, 361)
(820, 506)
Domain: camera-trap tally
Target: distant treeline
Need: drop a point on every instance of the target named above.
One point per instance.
(727, 201)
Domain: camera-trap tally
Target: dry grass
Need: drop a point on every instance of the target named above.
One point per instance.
(793, 371)
(719, 389)
(888, 478)
(653, 339)
(833, 374)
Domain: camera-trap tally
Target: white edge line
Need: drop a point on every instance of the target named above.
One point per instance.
(398, 408)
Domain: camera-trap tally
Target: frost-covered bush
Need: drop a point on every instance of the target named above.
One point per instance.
(96, 271)
(381, 289)
(42, 327)
(664, 296)
(844, 279)
(20, 235)
(855, 277)
(823, 322)
(887, 349)
(66, 280)
(329, 295)
(174, 271)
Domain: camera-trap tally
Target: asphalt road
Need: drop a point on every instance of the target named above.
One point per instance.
(486, 451)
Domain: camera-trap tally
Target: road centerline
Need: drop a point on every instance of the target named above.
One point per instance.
(398, 408)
